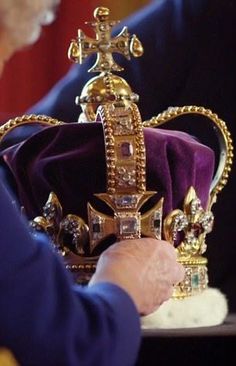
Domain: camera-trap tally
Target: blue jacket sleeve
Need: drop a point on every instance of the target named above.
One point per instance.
(44, 319)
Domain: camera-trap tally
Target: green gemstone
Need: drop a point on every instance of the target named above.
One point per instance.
(195, 280)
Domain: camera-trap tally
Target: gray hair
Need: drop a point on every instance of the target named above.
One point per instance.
(22, 20)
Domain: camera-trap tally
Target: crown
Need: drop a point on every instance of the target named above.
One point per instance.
(127, 209)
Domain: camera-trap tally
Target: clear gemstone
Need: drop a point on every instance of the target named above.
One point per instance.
(70, 225)
(126, 177)
(121, 170)
(180, 222)
(125, 121)
(126, 201)
(195, 206)
(132, 181)
(104, 27)
(128, 226)
(190, 239)
(123, 125)
(207, 221)
(49, 211)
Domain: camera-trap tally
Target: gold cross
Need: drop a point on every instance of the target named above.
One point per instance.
(104, 45)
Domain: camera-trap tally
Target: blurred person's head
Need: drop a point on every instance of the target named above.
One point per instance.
(21, 22)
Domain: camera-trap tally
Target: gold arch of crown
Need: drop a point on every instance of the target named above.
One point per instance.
(126, 172)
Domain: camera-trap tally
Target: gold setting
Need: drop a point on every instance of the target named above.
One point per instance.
(56, 226)
(126, 174)
(106, 87)
(193, 223)
(104, 45)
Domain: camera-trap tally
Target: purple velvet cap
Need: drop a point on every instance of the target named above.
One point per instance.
(69, 160)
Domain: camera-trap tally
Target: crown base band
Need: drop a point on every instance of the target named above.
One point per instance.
(195, 280)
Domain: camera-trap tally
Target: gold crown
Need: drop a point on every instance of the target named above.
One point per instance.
(109, 99)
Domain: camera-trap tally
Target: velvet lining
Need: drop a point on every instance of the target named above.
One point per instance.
(69, 160)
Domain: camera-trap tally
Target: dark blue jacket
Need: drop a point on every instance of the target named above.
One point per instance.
(44, 320)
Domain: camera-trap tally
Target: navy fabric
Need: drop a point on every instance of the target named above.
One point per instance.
(189, 58)
(44, 319)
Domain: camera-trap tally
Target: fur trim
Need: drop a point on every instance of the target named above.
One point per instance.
(206, 309)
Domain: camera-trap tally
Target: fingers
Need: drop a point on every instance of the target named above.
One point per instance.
(147, 269)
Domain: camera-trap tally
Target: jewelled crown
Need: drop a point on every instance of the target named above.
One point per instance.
(133, 150)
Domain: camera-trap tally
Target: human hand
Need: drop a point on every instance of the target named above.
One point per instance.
(145, 268)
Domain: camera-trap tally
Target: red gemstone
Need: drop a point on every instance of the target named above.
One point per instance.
(196, 229)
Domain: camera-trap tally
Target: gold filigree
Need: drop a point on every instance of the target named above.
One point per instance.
(58, 227)
(26, 120)
(126, 178)
(194, 222)
(195, 280)
(127, 223)
(106, 88)
(190, 227)
(104, 45)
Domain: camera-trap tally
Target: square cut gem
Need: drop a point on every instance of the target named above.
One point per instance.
(195, 280)
(129, 226)
(126, 201)
(124, 125)
(126, 149)
(96, 227)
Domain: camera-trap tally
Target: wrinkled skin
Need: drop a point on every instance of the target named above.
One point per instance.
(145, 268)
